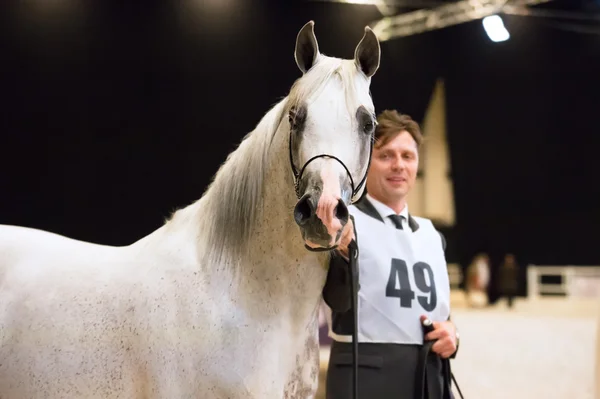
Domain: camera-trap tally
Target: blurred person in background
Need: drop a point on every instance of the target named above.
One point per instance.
(508, 283)
(478, 279)
(403, 279)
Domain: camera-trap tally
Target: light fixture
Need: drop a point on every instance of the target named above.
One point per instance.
(494, 27)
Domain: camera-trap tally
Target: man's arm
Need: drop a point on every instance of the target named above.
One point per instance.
(443, 240)
(447, 332)
(336, 292)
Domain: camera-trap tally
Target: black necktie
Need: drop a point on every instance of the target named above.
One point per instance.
(397, 219)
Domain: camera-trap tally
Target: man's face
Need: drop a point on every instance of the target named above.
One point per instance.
(393, 169)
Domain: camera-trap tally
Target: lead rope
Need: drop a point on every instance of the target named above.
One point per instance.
(353, 252)
(422, 367)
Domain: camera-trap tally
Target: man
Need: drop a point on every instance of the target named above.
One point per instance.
(478, 279)
(403, 280)
(508, 279)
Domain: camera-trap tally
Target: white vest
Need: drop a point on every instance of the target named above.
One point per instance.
(403, 275)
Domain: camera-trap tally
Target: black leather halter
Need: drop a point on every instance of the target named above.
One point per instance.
(298, 175)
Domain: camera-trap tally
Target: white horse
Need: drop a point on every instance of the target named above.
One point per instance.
(221, 301)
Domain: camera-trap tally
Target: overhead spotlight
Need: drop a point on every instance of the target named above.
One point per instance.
(494, 27)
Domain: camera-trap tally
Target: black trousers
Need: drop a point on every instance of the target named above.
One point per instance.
(385, 371)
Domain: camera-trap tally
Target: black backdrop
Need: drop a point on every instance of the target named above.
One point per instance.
(115, 114)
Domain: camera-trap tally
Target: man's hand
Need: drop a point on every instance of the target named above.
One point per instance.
(445, 334)
(347, 237)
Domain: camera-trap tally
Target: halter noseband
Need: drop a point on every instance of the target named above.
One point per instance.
(298, 176)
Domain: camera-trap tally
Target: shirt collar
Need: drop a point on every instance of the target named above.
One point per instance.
(385, 210)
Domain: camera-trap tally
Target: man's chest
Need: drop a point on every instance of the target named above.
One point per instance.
(408, 268)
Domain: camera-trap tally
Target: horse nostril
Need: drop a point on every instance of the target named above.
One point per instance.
(303, 210)
(341, 212)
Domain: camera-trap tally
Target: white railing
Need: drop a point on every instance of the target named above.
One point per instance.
(576, 281)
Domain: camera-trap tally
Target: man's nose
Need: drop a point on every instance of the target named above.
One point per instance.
(398, 163)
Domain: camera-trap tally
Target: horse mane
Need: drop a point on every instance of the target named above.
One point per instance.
(232, 203)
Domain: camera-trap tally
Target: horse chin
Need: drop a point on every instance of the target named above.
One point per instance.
(318, 245)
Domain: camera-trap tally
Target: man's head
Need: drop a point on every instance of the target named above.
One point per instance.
(395, 159)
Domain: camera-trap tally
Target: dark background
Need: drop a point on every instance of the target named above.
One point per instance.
(116, 113)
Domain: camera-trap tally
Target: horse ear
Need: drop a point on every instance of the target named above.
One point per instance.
(307, 48)
(368, 53)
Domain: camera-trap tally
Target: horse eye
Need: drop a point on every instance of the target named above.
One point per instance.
(368, 128)
(292, 116)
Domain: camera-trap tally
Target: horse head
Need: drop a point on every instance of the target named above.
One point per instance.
(332, 123)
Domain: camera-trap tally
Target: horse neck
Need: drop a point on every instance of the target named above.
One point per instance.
(270, 261)
(277, 257)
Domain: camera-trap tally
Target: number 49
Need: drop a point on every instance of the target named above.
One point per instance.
(399, 272)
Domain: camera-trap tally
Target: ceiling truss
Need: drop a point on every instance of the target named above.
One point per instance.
(423, 20)
(429, 15)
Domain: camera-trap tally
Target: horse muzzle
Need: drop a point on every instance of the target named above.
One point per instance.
(321, 219)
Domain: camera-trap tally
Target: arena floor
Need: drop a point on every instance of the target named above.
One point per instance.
(543, 349)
